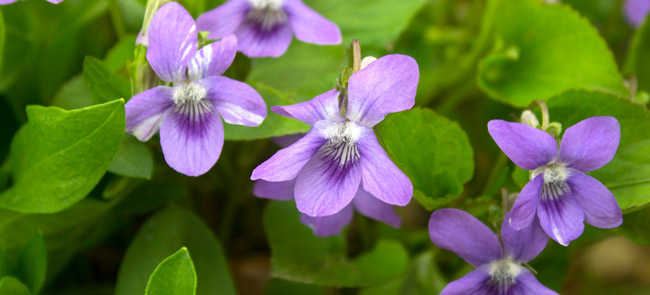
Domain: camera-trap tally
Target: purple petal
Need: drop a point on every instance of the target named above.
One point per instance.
(172, 42)
(327, 184)
(526, 146)
(381, 177)
(463, 234)
(525, 208)
(529, 285)
(309, 26)
(192, 142)
(385, 86)
(525, 244)
(329, 225)
(223, 20)
(287, 162)
(236, 102)
(322, 107)
(281, 191)
(600, 206)
(254, 41)
(473, 283)
(146, 110)
(3, 2)
(636, 11)
(562, 218)
(372, 207)
(591, 143)
(213, 59)
(55, 1)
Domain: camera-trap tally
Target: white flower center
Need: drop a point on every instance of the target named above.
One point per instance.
(555, 186)
(503, 274)
(189, 92)
(341, 145)
(267, 13)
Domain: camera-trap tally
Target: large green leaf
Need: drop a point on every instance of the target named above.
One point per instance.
(432, 150)
(162, 235)
(59, 156)
(543, 51)
(132, 159)
(638, 59)
(298, 255)
(104, 85)
(173, 276)
(32, 263)
(375, 23)
(12, 286)
(628, 174)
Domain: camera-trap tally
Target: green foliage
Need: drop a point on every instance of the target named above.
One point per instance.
(299, 256)
(639, 57)
(59, 156)
(132, 159)
(627, 174)
(173, 276)
(636, 226)
(434, 152)
(544, 50)
(12, 286)
(161, 236)
(32, 263)
(103, 84)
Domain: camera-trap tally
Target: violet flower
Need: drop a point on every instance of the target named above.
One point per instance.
(636, 11)
(560, 193)
(265, 27)
(498, 270)
(325, 226)
(4, 2)
(341, 149)
(189, 113)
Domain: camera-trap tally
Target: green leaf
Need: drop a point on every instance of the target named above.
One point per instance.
(103, 84)
(132, 159)
(74, 94)
(173, 276)
(636, 226)
(432, 150)
(543, 51)
(120, 54)
(277, 286)
(6, 267)
(297, 255)
(628, 175)
(638, 57)
(32, 263)
(162, 235)
(12, 286)
(59, 156)
(375, 23)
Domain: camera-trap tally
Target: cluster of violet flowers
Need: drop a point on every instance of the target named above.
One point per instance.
(339, 166)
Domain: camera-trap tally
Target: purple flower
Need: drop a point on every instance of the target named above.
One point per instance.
(636, 11)
(325, 226)
(265, 27)
(189, 113)
(560, 193)
(330, 162)
(4, 2)
(498, 270)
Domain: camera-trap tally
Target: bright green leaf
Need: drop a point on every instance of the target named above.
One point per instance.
(628, 175)
(132, 159)
(173, 276)
(120, 54)
(32, 263)
(432, 150)
(375, 23)
(104, 85)
(297, 255)
(162, 235)
(59, 156)
(74, 94)
(12, 286)
(543, 51)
